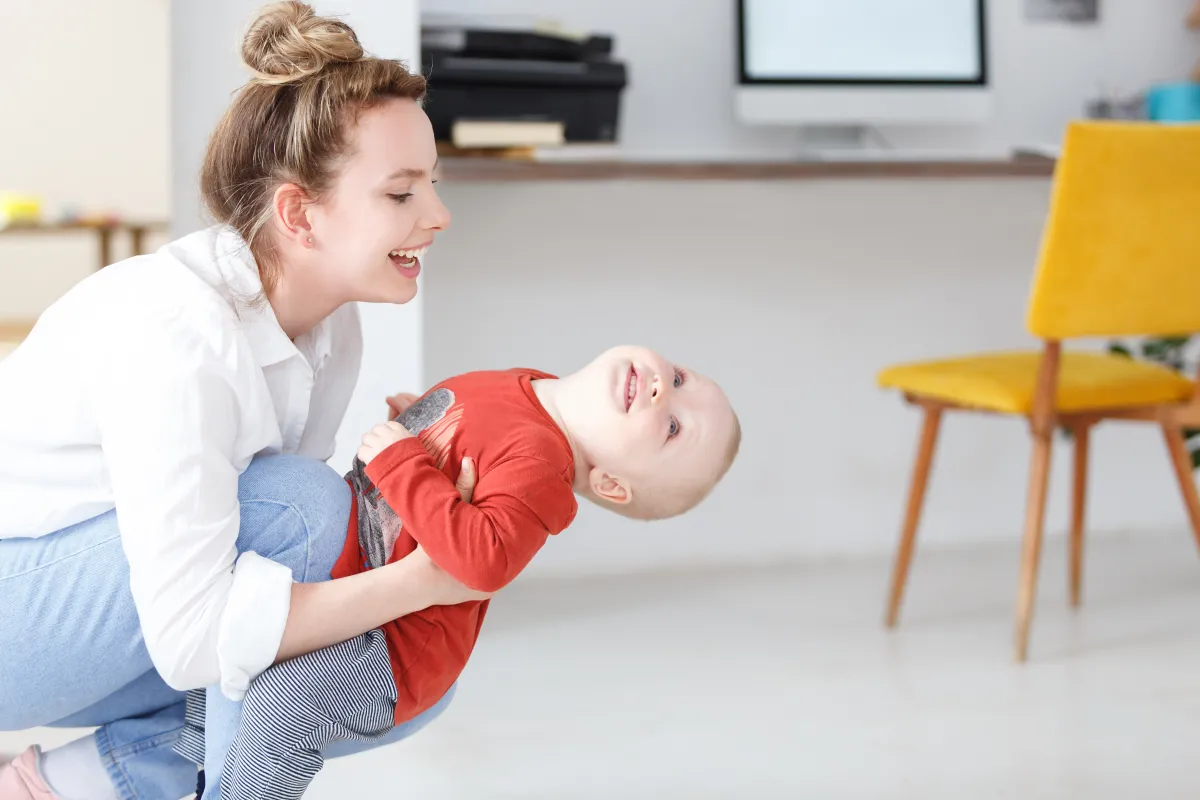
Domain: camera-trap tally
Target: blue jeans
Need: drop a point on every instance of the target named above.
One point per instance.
(71, 649)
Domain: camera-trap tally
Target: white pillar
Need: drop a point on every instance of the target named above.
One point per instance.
(205, 71)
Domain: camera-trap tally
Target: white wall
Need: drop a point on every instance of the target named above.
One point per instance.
(682, 63)
(83, 122)
(206, 69)
(846, 275)
(792, 294)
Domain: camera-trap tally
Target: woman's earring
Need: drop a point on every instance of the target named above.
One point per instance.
(310, 240)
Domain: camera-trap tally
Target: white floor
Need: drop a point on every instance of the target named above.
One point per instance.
(781, 683)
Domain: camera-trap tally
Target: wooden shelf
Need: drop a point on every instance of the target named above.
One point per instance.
(102, 230)
(115, 226)
(492, 170)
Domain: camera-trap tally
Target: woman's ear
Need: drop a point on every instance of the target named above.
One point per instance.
(290, 215)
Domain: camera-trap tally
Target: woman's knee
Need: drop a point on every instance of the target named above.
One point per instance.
(17, 714)
(295, 510)
(429, 715)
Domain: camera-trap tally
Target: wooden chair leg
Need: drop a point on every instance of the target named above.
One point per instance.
(912, 515)
(1181, 461)
(1041, 424)
(1078, 510)
(1031, 547)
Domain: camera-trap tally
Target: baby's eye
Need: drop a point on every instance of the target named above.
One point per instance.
(673, 430)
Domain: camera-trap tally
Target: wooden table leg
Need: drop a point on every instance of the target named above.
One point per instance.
(137, 239)
(105, 234)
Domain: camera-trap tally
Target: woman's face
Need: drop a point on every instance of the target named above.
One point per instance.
(373, 226)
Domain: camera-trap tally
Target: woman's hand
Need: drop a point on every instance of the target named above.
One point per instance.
(399, 403)
(466, 480)
(443, 589)
(332, 611)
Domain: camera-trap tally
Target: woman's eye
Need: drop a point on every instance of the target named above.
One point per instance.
(673, 430)
(680, 377)
(401, 198)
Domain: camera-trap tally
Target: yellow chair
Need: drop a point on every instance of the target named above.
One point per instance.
(1120, 256)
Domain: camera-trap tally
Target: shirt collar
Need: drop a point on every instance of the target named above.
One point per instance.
(238, 272)
(317, 344)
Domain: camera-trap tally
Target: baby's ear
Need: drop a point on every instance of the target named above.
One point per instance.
(609, 487)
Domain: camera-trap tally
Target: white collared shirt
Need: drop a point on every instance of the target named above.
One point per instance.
(148, 388)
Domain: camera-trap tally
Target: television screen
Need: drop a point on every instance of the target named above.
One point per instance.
(862, 41)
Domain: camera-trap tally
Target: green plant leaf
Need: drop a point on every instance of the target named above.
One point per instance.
(1154, 350)
(1168, 351)
(1165, 350)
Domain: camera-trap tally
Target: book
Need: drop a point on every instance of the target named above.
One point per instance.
(472, 134)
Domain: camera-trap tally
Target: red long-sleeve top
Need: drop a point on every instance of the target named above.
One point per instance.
(524, 495)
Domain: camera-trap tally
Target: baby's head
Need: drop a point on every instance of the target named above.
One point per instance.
(655, 438)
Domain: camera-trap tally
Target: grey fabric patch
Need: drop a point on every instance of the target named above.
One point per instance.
(378, 525)
(427, 411)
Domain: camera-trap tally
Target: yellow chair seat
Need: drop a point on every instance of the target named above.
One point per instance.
(1004, 382)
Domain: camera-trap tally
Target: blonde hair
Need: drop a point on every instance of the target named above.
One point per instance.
(289, 123)
(651, 503)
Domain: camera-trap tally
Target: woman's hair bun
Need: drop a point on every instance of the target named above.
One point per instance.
(288, 42)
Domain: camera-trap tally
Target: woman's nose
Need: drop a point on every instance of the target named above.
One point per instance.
(438, 216)
(656, 389)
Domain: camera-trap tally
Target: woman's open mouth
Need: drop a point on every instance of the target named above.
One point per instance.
(631, 388)
(408, 261)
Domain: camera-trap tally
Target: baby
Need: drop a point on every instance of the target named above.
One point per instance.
(630, 432)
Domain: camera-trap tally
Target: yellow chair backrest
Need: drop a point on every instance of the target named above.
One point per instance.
(1121, 249)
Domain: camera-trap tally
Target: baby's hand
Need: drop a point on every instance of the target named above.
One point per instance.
(380, 438)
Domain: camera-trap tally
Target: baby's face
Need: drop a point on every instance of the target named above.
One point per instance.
(652, 421)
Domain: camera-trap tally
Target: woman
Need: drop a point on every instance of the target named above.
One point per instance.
(147, 543)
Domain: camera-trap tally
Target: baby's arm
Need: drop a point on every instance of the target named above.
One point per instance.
(518, 503)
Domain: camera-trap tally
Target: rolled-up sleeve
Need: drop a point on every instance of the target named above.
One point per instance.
(170, 405)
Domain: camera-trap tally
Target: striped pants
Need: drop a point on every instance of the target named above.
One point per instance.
(296, 709)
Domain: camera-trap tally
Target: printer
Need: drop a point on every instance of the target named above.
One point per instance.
(498, 76)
